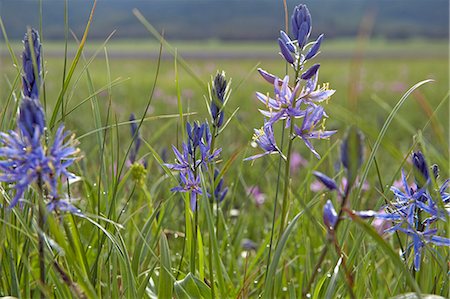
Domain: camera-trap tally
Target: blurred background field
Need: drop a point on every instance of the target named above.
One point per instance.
(374, 74)
(372, 53)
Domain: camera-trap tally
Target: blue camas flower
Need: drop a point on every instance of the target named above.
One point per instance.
(220, 191)
(311, 93)
(421, 173)
(266, 140)
(330, 216)
(413, 211)
(219, 87)
(314, 50)
(29, 80)
(307, 131)
(31, 119)
(327, 181)
(196, 156)
(189, 182)
(420, 239)
(24, 160)
(302, 99)
(301, 24)
(284, 105)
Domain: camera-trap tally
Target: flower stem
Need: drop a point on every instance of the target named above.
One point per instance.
(315, 271)
(41, 249)
(288, 162)
(286, 182)
(213, 181)
(325, 249)
(275, 205)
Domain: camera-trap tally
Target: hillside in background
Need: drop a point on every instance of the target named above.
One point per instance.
(229, 19)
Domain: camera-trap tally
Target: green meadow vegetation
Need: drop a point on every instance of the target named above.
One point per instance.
(136, 239)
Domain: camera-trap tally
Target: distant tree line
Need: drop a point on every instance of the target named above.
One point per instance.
(229, 19)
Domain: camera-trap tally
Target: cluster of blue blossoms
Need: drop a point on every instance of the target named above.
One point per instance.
(414, 211)
(25, 157)
(301, 101)
(196, 154)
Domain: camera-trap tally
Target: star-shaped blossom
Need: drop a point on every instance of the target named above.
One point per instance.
(407, 212)
(308, 130)
(189, 183)
(420, 239)
(63, 205)
(284, 105)
(311, 93)
(266, 140)
(24, 162)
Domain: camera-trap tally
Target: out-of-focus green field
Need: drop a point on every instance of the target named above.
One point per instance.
(366, 79)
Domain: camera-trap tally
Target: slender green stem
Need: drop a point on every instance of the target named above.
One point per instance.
(325, 249)
(315, 271)
(348, 274)
(275, 206)
(213, 181)
(211, 268)
(286, 181)
(41, 248)
(193, 242)
(288, 161)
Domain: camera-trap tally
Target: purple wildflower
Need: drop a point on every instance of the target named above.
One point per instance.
(314, 50)
(326, 181)
(196, 155)
(311, 93)
(29, 81)
(218, 98)
(27, 161)
(296, 161)
(311, 72)
(420, 239)
(189, 183)
(406, 213)
(286, 50)
(301, 24)
(284, 106)
(307, 131)
(267, 76)
(219, 192)
(287, 41)
(249, 245)
(257, 195)
(31, 120)
(266, 140)
(330, 216)
(62, 205)
(421, 173)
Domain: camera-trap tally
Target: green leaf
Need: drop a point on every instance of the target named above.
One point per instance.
(383, 131)
(191, 287)
(277, 256)
(165, 287)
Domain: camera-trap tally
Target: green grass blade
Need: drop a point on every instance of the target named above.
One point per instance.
(383, 131)
(165, 277)
(72, 68)
(268, 288)
(393, 256)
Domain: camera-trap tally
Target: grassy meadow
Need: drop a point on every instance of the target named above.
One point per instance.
(134, 240)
